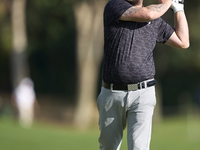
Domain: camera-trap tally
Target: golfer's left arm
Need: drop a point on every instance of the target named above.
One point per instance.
(180, 37)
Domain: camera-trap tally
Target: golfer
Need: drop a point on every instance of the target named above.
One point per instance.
(127, 97)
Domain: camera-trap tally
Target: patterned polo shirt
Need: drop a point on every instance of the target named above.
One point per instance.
(128, 45)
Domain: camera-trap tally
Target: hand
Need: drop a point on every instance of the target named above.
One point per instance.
(177, 5)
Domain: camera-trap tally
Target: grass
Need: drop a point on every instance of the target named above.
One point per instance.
(45, 137)
(177, 134)
(171, 134)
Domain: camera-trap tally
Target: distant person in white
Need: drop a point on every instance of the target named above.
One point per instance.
(24, 98)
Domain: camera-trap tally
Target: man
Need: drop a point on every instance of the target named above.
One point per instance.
(24, 99)
(131, 32)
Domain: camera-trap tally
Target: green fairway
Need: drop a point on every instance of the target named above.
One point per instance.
(171, 134)
(177, 134)
(45, 137)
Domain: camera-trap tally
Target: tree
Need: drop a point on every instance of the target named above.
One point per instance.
(89, 18)
(19, 65)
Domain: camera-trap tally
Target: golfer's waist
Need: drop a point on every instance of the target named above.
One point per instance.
(130, 87)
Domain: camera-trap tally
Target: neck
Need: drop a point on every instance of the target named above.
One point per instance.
(139, 5)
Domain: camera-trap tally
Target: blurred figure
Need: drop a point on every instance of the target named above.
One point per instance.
(24, 99)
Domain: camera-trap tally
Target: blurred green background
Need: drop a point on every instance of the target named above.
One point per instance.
(173, 133)
(62, 54)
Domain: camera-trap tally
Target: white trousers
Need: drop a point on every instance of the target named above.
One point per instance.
(116, 108)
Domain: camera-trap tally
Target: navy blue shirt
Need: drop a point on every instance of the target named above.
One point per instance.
(128, 45)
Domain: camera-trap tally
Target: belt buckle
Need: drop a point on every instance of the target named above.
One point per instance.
(132, 87)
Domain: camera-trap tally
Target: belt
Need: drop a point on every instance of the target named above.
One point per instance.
(130, 87)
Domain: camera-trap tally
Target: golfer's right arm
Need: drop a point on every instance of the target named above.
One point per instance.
(180, 37)
(148, 13)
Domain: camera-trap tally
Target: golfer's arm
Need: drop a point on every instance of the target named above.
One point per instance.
(144, 14)
(180, 38)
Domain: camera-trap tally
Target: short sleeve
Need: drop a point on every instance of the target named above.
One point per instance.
(114, 9)
(164, 31)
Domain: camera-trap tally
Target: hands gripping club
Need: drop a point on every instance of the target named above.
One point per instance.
(177, 5)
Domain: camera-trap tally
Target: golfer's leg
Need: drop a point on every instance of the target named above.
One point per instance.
(111, 119)
(140, 120)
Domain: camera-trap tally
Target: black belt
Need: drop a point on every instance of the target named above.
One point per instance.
(130, 87)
